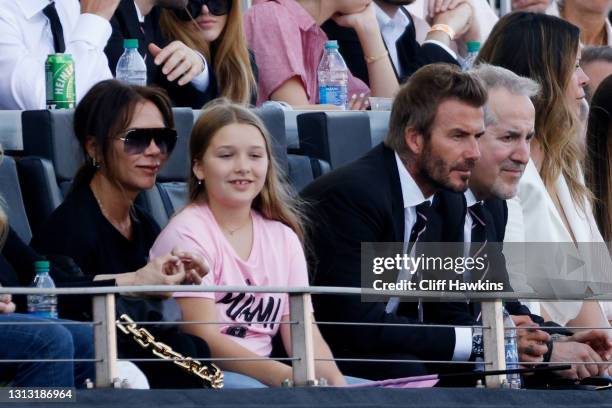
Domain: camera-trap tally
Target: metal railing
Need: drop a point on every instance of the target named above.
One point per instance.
(301, 321)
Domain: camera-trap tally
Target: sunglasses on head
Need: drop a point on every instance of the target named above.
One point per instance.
(136, 141)
(194, 8)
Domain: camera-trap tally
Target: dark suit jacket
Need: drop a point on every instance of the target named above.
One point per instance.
(125, 24)
(411, 54)
(362, 202)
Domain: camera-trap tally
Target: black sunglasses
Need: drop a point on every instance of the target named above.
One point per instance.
(194, 8)
(136, 141)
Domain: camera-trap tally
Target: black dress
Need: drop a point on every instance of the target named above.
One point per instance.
(79, 230)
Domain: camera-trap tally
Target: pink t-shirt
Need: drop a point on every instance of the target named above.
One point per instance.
(287, 42)
(276, 259)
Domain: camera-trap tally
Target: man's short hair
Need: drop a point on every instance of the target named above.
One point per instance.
(417, 102)
(596, 53)
(497, 77)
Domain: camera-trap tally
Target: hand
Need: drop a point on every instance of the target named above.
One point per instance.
(440, 6)
(572, 351)
(537, 6)
(599, 340)
(195, 266)
(459, 19)
(163, 270)
(6, 305)
(358, 102)
(531, 342)
(179, 61)
(361, 21)
(103, 8)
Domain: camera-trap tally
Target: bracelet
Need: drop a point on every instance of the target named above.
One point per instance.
(371, 60)
(444, 28)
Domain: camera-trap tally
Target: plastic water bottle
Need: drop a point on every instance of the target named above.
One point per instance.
(333, 77)
(473, 47)
(131, 67)
(42, 305)
(511, 351)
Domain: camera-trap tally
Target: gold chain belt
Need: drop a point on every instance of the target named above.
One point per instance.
(211, 375)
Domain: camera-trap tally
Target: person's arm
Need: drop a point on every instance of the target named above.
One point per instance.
(323, 369)
(269, 372)
(383, 81)
(23, 86)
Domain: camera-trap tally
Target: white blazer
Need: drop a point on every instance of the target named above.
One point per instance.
(542, 265)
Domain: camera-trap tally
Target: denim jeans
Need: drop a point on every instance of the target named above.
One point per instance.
(54, 341)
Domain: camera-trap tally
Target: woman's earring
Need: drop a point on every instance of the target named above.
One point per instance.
(95, 163)
(199, 182)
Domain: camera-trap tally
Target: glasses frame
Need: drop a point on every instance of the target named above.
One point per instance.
(186, 14)
(169, 147)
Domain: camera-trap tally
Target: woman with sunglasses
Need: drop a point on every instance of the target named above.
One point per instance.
(214, 28)
(126, 133)
(242, 221)
(287, 40)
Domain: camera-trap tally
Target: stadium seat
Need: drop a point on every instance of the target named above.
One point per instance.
(10, 130)
(334, 137)
(12, 199)
(379, 125)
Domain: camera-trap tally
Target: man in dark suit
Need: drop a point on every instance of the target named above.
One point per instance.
(400, 35)
(385, 196)
(187, 75)
(510, 121)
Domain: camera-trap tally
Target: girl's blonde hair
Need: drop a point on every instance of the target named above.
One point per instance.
(274, 202)
(229, 53)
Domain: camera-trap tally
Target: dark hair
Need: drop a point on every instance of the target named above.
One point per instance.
(544, 48)
(106, 111)
(417, 102)
(599, 153)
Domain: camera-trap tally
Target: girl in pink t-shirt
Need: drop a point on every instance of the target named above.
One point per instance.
(242, 221)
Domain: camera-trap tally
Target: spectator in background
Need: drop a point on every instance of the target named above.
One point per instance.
(31, 30)
(288, 42)
(599, 156)
(173, 66)
(126, 133)
(398, 31)
(552, 204)
(591, 16)
(215, 30)
(597, 65)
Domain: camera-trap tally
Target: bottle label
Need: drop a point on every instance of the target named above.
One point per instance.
(512, 357)
(333, 95)
(44, 315)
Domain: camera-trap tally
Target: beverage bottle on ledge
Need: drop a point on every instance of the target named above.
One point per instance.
(131, 67)
(42, 305)
(511, 352)
(333, 77)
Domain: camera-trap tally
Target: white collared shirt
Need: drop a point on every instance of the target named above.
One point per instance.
(413, 196)
(26, 41)
(201, 81)
(392, 29)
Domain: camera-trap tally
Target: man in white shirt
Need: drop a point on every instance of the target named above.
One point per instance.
(504, 148)
(26, 39)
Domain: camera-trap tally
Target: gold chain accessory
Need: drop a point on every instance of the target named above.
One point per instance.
(212, 376)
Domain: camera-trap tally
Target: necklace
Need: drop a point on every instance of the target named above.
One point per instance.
(123, 227)
(234, 230)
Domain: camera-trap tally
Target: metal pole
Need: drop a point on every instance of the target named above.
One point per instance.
(301, 340)
(105, 340)
(493, 340)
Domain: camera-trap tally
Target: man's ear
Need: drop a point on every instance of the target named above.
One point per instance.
(414, 141)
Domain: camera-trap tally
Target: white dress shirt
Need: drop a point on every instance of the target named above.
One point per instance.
(413, 196)
(392, 29)
(470, 199)
(201, 81)
(26, 41)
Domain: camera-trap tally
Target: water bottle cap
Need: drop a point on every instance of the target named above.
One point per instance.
(473, 46)
(331, 45)
(42, 266)
(130, 43)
